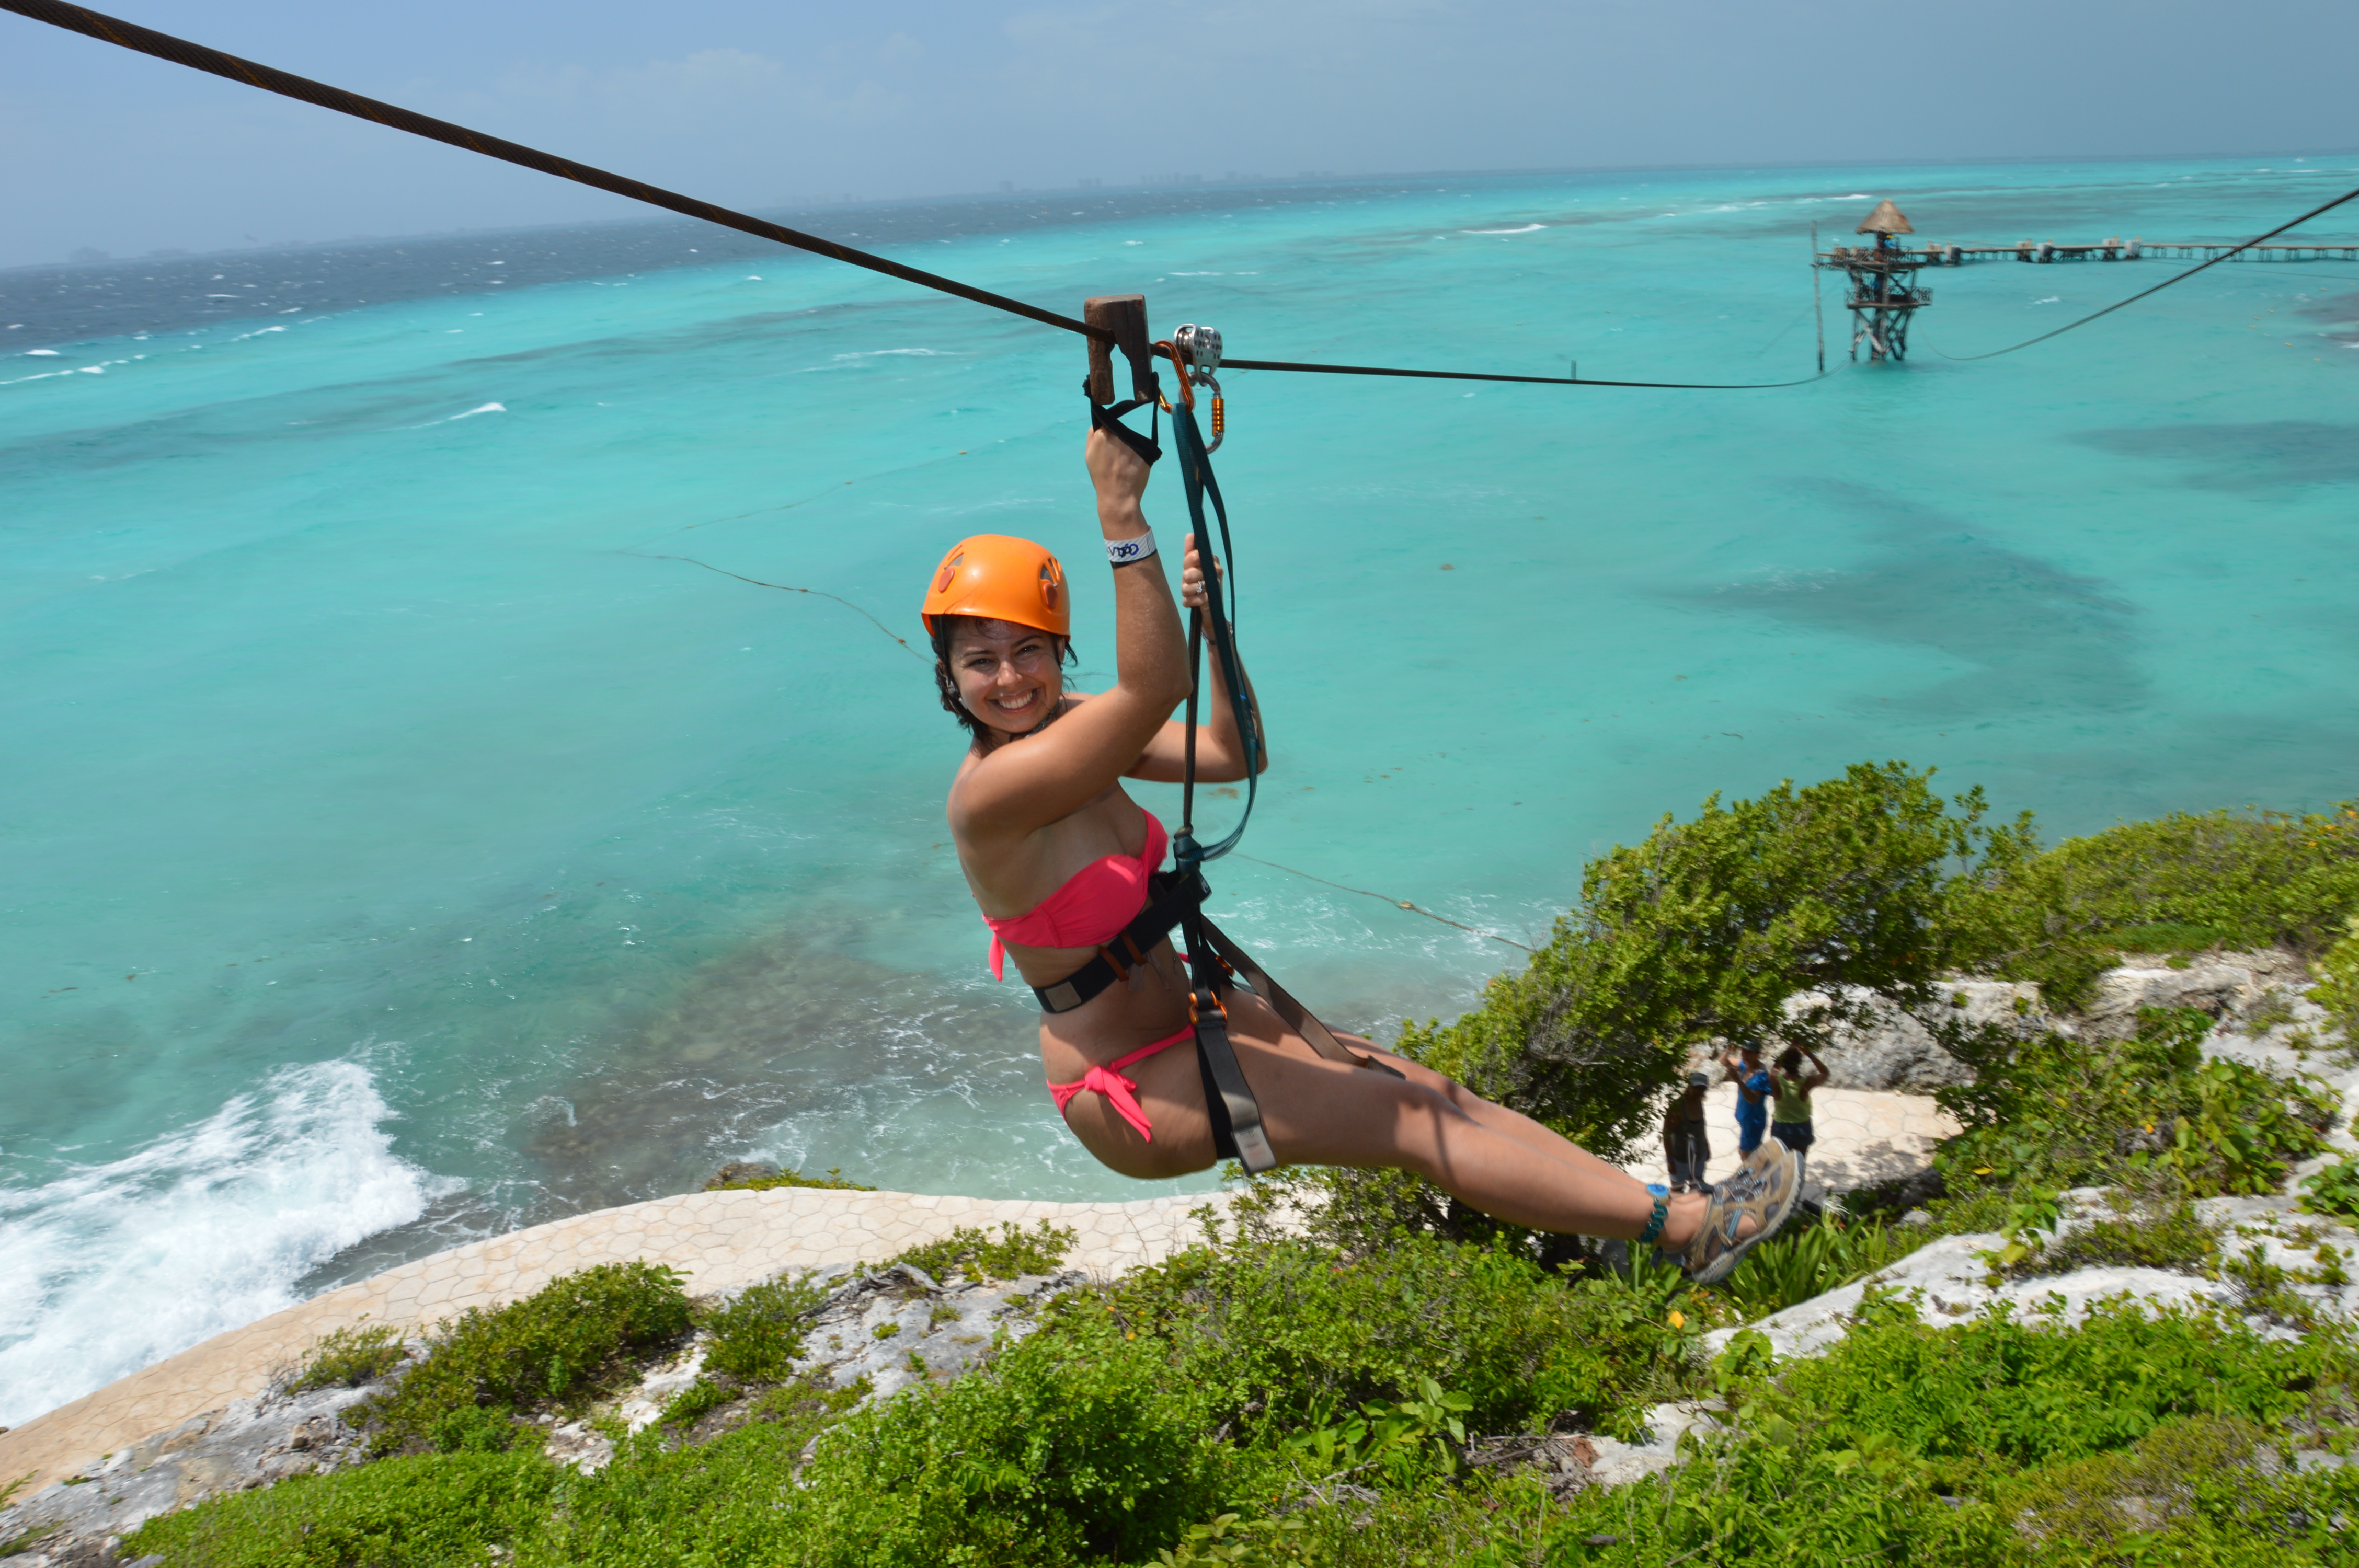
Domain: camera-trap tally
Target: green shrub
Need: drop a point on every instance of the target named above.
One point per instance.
(2058, 1112)
(1705, 928)
(972, 1252)
(347, 1357)
(728, 1503)
(563, 1344)
(2338, 985)
(2182, 883)
(694, 1402)
(2334, 1190)
(430, 1511)
(757, 1336)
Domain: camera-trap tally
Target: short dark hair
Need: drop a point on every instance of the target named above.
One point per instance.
(1789, 1060)
(946, 684)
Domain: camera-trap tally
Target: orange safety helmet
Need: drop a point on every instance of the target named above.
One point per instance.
(999, 577)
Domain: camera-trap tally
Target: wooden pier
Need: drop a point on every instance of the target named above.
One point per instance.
(2116, 250)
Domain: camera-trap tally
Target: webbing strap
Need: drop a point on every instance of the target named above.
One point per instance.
(1227, 1097)
(1218, 620)
(1304, 1022)
(1110, 421)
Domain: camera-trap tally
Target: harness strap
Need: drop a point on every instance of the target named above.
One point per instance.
(1174, 895)
(1304, 1022)
(1236, 1115)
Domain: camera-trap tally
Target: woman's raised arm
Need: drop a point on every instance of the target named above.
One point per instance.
(1026, 785)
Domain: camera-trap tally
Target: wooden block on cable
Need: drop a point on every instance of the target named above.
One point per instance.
(1124, 315)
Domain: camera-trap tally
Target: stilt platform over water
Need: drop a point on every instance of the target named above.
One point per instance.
(1885, 295)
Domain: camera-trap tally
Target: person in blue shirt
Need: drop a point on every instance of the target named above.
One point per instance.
(1753, 1088)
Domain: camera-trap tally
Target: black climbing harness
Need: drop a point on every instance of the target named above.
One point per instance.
(1216, 963)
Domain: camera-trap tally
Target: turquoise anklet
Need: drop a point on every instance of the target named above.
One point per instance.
(1654, 1218)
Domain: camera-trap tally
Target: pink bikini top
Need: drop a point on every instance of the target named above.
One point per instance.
(1093, 907)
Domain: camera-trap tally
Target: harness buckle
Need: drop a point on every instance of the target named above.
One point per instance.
(1199, 998)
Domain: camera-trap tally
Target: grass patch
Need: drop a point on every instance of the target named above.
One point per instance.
(977, 1254)
(2167, 1237)
(1999, 1441)
(559, 1347)
(347, 1357)
(1799, 1263)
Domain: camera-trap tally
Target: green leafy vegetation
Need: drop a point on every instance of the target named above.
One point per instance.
(429, 1512)
(756, 1336)
(347, 1357)
(834, 1181)
(1012, 1254)
(2334, 1190)
(2338, 985)
(559, 1347)
(2134, 1437)
(2058, 1112)
(2184, 884)
(2164, 1236)
(1806, 1261)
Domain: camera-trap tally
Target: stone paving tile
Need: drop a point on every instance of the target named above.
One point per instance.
(723, 1241)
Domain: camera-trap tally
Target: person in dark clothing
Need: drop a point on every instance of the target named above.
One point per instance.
(1686, 1145)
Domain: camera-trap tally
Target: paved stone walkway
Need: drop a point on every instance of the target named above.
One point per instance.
(1864, 1137)
(725, 1241)
(721, 1241)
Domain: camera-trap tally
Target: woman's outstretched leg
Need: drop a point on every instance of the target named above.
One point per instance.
(1318, 1113)
(1497, 1118)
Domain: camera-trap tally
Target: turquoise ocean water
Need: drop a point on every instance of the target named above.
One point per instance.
(400, 847)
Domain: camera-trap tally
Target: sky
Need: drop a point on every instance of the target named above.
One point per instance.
(786, 101)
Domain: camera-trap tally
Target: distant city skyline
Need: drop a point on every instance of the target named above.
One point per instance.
(769, 105)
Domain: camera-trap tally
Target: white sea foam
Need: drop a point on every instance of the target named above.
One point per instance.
(110, 1267)
(258, 332)
(41, 353)
(486, 409)
(1526, 228)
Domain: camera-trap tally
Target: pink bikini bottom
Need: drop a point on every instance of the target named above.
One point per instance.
(1121, 1091)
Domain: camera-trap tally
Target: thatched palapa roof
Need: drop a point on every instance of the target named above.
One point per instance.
(1885, 219)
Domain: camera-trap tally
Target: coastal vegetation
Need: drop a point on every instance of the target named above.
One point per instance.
(1351, 1370)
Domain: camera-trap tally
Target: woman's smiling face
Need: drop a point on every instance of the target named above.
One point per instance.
(1010, 677)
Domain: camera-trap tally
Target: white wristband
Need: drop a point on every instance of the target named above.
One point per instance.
(1122, 552)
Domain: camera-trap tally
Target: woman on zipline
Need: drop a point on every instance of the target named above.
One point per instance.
(1059, 855)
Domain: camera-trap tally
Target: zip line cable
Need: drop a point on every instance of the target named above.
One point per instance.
(2141, 294)
(198, 56)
